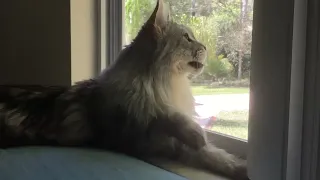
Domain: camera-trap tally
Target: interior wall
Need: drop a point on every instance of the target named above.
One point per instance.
(46, 42)
(83, 42)
(35, 42)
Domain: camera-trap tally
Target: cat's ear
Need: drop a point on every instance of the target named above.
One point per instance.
(160, 15)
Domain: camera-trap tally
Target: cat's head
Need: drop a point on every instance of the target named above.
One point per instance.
(171, 45)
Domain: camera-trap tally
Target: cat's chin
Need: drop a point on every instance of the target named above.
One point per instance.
(197, 68)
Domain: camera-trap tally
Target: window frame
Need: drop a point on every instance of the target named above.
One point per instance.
(110, 31)
(310, 136)
(291, 51)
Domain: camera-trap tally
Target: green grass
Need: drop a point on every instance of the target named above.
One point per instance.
(233, 123)
(205, 90)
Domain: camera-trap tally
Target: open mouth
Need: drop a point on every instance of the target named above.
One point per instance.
(195, 64)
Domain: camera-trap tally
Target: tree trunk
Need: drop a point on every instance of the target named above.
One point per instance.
(193, 6)
(240, 66)
(243, 21)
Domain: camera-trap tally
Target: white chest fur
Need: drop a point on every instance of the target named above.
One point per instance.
(181, 93)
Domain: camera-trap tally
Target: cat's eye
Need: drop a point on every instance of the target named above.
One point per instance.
(187, 37)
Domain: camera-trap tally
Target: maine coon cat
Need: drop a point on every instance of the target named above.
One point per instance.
(141, 105)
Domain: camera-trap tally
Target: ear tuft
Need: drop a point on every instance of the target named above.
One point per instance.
(160, 15)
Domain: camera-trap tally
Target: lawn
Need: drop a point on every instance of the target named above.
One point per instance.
(233, 123)
(205, 90)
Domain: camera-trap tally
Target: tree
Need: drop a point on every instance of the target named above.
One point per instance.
(136, 13)
(234, 37)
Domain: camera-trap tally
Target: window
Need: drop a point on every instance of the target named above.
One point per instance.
(283, 140)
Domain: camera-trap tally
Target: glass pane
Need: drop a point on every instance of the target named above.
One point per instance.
(222, 90)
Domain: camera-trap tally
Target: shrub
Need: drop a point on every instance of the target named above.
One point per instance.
(218, 68)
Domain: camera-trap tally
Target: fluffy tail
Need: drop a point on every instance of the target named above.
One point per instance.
(23, 111)
(23, 93)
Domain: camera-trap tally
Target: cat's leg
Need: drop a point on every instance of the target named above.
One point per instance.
(182, 128)
(215, 160)
(191, 147)
(208, 158)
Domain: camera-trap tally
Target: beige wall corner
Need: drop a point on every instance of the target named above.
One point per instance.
(83, 39)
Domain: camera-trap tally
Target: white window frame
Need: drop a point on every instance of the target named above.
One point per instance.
(285, 91)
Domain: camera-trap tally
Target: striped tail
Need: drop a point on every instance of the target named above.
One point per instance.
(24, 109)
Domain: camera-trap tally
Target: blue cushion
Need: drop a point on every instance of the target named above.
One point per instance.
(48, 163)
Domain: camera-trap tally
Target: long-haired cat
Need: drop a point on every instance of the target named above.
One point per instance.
(141, 105)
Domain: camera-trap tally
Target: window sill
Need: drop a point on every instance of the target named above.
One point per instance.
(231, 144)
(185, 171)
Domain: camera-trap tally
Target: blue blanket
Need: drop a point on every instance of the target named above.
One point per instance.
(47, 163)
